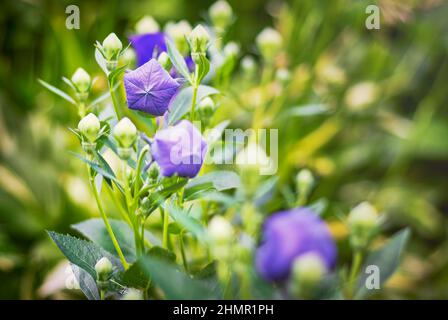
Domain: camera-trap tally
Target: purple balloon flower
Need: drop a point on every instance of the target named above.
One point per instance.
(179, 149)
(145, 45)
(149, 88)
(288, 235)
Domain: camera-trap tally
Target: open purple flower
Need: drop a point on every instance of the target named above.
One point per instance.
(287, 236)
(149, 88)
(145, 45)
(179, 149)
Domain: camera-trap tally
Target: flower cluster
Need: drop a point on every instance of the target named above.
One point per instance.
(176, 209)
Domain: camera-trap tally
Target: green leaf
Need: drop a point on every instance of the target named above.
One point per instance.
(94, 230)
(178, 60)
(136, 277)
(182, 102)
(219, 180)
(116, 73)
(265, 192)
(57, 91)
(305, 111)
(83, 253)
(86, 283)
(176, 284)
(101, 61)
(188, 222)
(99, 169)
(203, 67)
(387, 259)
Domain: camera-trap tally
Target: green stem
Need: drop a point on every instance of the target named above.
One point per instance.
(182, 251)
(193, 101)
(114, 101)
(165, 228)
(356, 265)
(107, 224)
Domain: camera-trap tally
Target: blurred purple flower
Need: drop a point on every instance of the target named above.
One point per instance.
(149, 88)
(145, 45)
(179, 149)
(288, 235)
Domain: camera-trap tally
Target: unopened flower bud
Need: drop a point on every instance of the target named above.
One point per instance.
(154, 171)
(304, 181)
(269, 42)
(89, 126)
(232, 49)
(125, 133)
(164, 61)
(220, 230)
(81, 80)
(147, 24)
(283, 76)
(199, 39)
(103, 269)
(178, 32)
(221, 15)
(362, 221)
(248, 65)
(128, 57)
(307, 271)
(132, 294)
(112, 46)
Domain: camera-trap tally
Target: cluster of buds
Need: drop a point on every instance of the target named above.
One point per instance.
(89, 131)
(178, 32)
(125, 133)
(221, 15)
(269, 43)
(307, 272)
(111, 49)
(103, 270)
(362, 221)
(198, 40)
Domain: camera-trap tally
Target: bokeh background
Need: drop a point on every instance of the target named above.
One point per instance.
(383, 137)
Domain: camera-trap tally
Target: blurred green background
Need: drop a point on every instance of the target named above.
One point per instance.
(384, 139)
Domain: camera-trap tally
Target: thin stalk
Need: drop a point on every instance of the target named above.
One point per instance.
(165, 228)
(182, 251)
(114, 101)
(356, 265)
(107, 224)
(193, 101)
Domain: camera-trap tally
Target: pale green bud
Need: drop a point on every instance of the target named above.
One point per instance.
(89, 126)
(132, 294)
(178, 32)
(207, 103)
(304, 180)
(220, 230)
(125, 133)
(112, 46)
(103, 269)
(231, 49)
(154, 171)
(307, 271)
(269, 42)
(362, 220)
(198, 39)
(128, 57)
(164, 61)
(81, 80)
(283, 76)
(147, 24)
(221, 14)
(248, 65)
